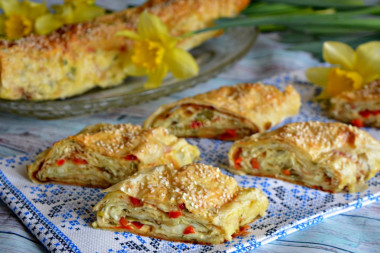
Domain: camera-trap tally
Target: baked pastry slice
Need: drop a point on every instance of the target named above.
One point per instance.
(328, 156)
(104, 154)
(196, 203)
(79, 57)
(228, 113)
(359, 107)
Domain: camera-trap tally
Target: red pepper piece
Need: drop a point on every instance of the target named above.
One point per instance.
(174, 214)
(376, 112)
(131, 157)
(238, 162)
(229, 134)
(195, 124)
(357, 122)
(125, 224)
(365, 113)
(79, 161)
(242, 231)
(135, 202)
(182, 206)
(137, 224)
(189, 230)
(287, 172)
(255, 164)
(60, 162)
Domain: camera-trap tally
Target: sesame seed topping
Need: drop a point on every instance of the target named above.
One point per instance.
(202, 188)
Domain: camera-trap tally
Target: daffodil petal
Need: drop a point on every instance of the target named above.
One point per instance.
(86, 12)
(34, 10)
(318, 75)
(181, 63)
(339, 53)
(155, 78)
(2, 25)
(11, 7)
(129, 34)
(47, 23)
(367, 60)
(78, 2)
(151, 27)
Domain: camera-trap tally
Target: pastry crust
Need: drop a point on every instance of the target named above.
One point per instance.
(79, 57)
(196, 203)
(362, 104)
(329, 156)
(228, 113)
(104, 154)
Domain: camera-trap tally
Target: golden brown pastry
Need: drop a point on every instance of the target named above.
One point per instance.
(228, 113)
(329, 156)
(196, 203)
(360, 107)
(79, 57)
(104, 154)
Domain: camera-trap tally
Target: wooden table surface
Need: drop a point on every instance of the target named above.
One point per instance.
(354, 231)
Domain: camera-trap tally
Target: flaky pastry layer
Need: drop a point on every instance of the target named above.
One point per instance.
(362, 104)
(104, 154)
(227, 113)
(329, 156)
(196, 203)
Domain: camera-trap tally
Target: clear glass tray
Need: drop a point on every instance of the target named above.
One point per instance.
(213, 57)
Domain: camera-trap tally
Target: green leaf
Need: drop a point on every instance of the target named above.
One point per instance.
(344, 19)
(319, 3)
(330, 30)
(270, 9)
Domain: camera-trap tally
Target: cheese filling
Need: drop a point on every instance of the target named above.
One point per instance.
(122, 214)
(280, 163)
(72, 172)
(195, 120)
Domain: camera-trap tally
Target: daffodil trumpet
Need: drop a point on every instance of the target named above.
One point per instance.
(155, 52)
(21, 18)
(351, 69)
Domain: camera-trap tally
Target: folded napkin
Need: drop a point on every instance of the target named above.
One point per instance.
(61, 216)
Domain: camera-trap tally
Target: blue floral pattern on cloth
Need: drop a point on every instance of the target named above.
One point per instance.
(60, 216)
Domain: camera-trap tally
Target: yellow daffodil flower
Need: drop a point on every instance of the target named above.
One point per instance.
(21, 18)
(17, 26)
(71, 12)
(18, 17)
(155, 53)
(351, 69)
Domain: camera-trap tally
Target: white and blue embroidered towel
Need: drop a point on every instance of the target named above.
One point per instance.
(60, 216)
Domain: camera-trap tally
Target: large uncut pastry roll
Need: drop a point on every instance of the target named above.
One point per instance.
(228, 113)
(359, 107)
(104, 154)
(196, 203)
(79, 57)
(328, 156)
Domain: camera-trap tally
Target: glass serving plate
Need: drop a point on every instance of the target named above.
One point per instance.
(213, 57)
